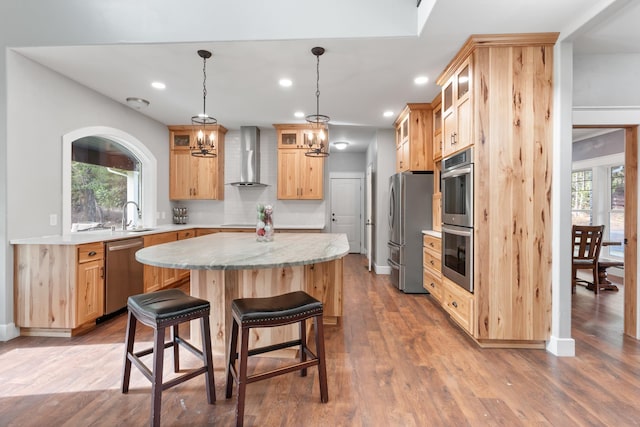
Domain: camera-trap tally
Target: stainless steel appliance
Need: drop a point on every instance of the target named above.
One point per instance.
(410, 199)
(457, 189)
(457, 219)
(123, 273)
(457, 255)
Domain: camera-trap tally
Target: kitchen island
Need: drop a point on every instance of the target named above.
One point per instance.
(225, 266)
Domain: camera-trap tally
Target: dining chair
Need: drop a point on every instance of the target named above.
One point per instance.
(587, 241)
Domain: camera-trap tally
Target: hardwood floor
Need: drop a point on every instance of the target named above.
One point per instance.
(396, 360)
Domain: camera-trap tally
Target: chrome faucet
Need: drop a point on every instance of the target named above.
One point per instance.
(126, 223)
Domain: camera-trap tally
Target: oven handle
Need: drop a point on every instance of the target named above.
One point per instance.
(459, 231)
(457, 172)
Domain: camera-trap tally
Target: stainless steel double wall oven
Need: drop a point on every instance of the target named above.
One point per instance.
(457, 218)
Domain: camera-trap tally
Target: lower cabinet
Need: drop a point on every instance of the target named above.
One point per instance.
(156, 278)
(59, 289)
(90, 283)
(431, 271)
(459, 304)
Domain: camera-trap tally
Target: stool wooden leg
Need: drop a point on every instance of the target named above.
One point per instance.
(322, 365)
(303, 345)
(233, 355)
(242, 375)
(156, 385)
(207, 359)
(129, 339)
(176, 353)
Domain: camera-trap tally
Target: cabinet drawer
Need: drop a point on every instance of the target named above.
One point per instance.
(459, 304)
(432, 284)
(431, 242)
(431, 260)
(90, 252)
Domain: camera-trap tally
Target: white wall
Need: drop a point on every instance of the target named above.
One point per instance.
(606, 80)
(34, 141)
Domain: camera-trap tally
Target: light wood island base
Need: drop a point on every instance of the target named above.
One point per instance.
(322, 280)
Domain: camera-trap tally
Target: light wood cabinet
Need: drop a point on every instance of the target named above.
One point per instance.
(414, 133)
(156, 278)
(437, 128)
(182, 235)
(431, 266)
(459, 304)
(59, 289)
(195, 178)
(504, 110)
(299, 177)
(456, 109)
(90, 283)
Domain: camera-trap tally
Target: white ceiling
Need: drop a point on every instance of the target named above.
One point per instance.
(360, 78)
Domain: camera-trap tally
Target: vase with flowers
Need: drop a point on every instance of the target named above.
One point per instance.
(264, 227)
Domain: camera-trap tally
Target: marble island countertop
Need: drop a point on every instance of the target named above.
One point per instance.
(241, 251)
(80, 238)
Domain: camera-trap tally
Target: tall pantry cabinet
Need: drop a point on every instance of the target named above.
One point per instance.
(497, 96)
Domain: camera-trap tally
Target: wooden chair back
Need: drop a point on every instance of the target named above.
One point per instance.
(587, 241)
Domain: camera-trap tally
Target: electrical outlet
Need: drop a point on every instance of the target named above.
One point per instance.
(53, 219)
(163, 214)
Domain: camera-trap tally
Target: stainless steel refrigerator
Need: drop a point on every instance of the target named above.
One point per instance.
(410, 200)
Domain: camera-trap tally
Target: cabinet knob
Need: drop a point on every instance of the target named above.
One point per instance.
(92, 253)
(453, 138)
(432, 285)
(455, 304)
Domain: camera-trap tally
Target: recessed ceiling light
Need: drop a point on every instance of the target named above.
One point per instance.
(158, 85)
(341, 145)
(388, 113)
(299, 114)
(285, 82)
(421, 80)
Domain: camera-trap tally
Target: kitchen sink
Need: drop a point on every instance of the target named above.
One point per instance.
(139, 230)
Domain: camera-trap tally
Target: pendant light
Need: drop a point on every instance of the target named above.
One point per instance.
(204, 135)
(316, 139)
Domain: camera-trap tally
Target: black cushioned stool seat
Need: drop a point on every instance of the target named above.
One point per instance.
(160, 310)
(294, 307)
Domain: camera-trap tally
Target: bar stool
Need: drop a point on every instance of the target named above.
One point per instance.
(293, 307)
(160, 310)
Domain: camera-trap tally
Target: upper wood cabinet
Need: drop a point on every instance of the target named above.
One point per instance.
(456, 109)
(195, 178)
(299, 177)
(436, 104)
(414, 131)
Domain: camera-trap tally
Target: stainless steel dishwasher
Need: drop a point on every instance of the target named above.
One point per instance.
(124, 273)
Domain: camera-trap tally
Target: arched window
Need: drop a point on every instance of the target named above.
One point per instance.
(104, 177)
(102, 169)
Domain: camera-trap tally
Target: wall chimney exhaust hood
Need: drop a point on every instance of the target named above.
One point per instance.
(249, 158)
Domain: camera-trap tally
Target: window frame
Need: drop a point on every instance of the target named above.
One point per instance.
(148, 201)
(601, 191)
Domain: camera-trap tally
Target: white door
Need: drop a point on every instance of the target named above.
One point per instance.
(369, 216)
(346, 210)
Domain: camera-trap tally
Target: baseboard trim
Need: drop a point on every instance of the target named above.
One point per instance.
(561, 347)
(9, 331)
(382, 269)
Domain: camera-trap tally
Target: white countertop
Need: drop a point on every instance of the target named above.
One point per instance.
(241, 251)
(432, 233)
(83, 237)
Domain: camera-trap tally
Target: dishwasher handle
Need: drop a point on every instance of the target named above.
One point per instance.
(124, 245)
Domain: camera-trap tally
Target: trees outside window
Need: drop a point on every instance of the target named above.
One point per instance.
(104, 176)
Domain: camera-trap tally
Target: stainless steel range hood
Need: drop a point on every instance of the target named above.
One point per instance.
(249, 158)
